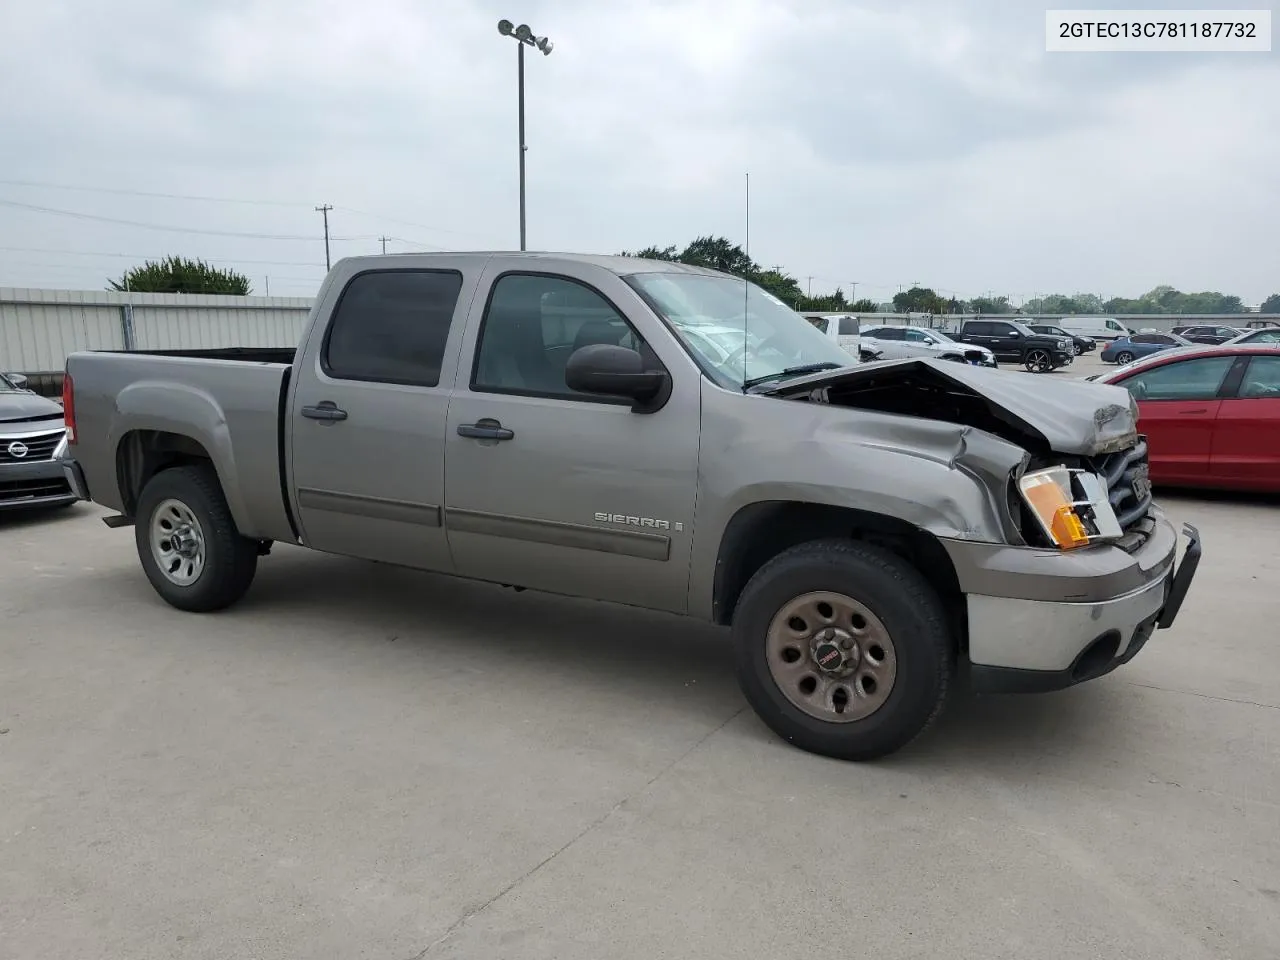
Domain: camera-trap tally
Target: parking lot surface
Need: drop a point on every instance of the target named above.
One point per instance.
(367, 762)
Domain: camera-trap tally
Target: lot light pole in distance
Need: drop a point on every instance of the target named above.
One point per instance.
(524, 37)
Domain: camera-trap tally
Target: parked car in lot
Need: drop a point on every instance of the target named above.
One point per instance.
(1211, 415)
(32, 438)
(1097, 328)
(866, 530)
(1017, 343)
(1127, 349)
(1259, 335)
(1080, 345)
(1207, 333)
(897, 342)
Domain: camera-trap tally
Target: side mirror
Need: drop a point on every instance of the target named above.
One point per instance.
(17, 379)
(615, 371)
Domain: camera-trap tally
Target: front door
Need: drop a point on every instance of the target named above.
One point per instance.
(558, 490)
(367, 421)
(1178, 404)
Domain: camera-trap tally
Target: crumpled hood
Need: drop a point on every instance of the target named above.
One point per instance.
(26, 406)
(1067, 416)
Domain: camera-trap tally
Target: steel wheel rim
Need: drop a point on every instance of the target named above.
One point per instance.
(177, 542)
(846, 690)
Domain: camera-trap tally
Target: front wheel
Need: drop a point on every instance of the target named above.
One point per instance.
(188, 543)
(1038, 361)
(1123, 357)
(843, 649)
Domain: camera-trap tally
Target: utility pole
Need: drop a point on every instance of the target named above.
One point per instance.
(268, 285)
(323, 210)
(384, 244)
(853, 291)
(810, 293)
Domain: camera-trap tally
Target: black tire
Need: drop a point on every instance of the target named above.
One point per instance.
(1077, 349)
(1037, 361)
(897, 594)
(1123, 357)
(230, 560)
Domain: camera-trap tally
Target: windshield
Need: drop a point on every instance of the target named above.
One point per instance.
(1182, 340)
(942, 336)
(6, 383)
(1023, 329)
(736, 331)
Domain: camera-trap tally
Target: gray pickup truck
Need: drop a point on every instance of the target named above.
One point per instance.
(870, 532)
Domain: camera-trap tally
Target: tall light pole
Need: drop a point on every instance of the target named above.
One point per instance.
(523, 36)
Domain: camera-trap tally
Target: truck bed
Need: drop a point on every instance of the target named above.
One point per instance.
(134, 409)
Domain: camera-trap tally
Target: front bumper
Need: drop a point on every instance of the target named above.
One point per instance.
(28, 486)
(1040, 642)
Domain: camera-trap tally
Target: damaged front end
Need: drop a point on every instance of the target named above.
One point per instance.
(1084, 477)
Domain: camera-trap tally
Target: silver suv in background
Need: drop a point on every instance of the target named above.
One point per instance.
(895, 343)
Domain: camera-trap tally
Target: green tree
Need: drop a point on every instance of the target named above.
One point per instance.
(990, 305)
(864, 306)
(919, 300)
(180, 275)
(1271, 304)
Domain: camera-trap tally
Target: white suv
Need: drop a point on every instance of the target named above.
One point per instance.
(897, 342)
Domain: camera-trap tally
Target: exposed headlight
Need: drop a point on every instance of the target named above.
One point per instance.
(1071, 506)
(1062, 344)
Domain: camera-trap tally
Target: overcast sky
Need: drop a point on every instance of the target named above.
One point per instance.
(887, 143)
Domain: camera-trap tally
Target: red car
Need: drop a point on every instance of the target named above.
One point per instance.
(1211, 414)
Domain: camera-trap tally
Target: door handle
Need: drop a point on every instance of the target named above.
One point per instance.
(1197, 410)
(325, 410)
(486, 429)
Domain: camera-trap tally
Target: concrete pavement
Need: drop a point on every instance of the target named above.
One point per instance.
(366, 762)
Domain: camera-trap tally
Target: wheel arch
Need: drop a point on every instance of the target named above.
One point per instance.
(759, 531)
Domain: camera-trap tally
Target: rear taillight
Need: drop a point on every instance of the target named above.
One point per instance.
(69, 406)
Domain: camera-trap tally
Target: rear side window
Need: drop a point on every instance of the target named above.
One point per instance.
(848, 326)
(391, 326)
(979, 327)
(886, 333)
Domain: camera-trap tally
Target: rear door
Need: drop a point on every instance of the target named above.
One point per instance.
(574, 493)
(887, 340)
(1178, 404)
(1246, 441)
(1004, 340)
(366, 424)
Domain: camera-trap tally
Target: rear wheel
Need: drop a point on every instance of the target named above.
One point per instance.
(1123, 357)
(188, 543)
(1077, 349)
(1038, 361)
(843, 649)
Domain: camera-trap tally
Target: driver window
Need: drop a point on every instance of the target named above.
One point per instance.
(1197, 379)
(917, 336)
(530, 327)
(1262, 379)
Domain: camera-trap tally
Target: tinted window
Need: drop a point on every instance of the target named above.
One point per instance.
(391, 327)
(918, 336)
(849, 326)
(979, 327)
(1196, 379)
(1143, 338)
(1002, 329)
(819, 323)
(1162, 338)
(1262, 379)
(886, 333)
(531, 326)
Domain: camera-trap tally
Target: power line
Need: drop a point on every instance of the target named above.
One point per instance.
(153, 226)
(147, 193)
(45, 185)
(152, 256)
